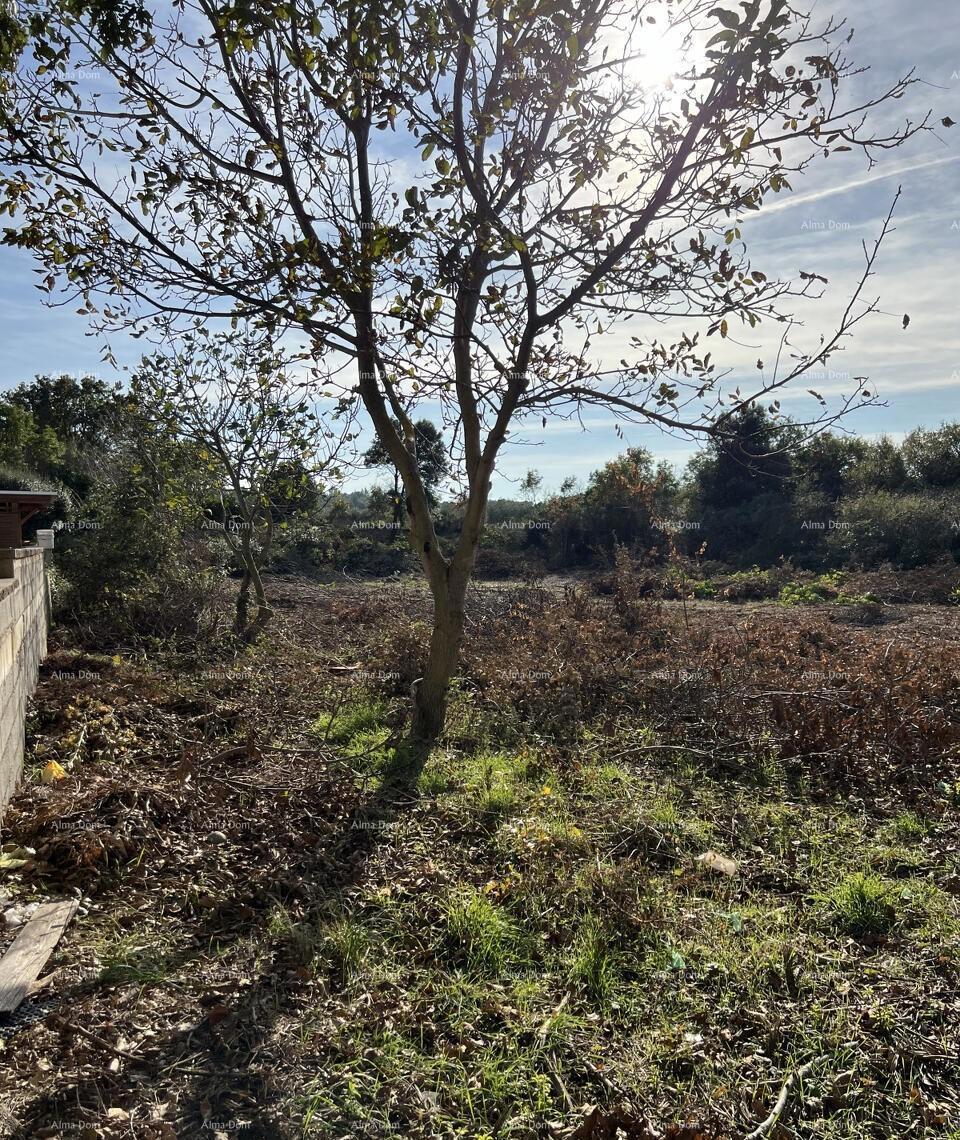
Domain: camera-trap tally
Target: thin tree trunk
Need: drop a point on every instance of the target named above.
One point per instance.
(242, 617)
(264, 613)
(244, 628)
(397, 506)
(430, 694)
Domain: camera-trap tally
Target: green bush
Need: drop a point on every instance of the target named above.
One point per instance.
(802, 594)
(749, 585)
(141, 568)
(825, 588)
(906, 530)
(754, 533)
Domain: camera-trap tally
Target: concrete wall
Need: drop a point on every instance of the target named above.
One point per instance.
(23, 645)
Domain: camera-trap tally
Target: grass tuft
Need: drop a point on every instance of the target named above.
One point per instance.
(863, 906)
(592, 965)
(481, 934)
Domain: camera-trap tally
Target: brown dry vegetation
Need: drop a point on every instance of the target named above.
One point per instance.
(284, 928)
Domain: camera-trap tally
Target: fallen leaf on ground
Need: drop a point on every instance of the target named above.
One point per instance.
(52, 771)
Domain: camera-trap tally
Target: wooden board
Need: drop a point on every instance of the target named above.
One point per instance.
(21, 965)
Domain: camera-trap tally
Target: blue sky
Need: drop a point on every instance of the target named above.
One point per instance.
(820, 227)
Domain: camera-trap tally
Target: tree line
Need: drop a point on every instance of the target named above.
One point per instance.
(159, 501)
(767, 494)
(762, 494)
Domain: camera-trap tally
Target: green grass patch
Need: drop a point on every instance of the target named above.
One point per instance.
(593, 960)
(130, 960)
(864, 905)
(345, 944)
(908, 827)
(481, 934)
(359, 717)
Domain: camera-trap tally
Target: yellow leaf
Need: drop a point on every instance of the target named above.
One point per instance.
(52, 771)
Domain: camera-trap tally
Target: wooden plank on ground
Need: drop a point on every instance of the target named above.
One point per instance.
(21, 965)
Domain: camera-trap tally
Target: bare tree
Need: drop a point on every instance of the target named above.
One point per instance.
(545, 203)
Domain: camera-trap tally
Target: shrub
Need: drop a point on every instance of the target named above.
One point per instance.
(930, 585)
(802, 594)
(185, 605)
(143, 569)
(749, 585)
(857, 599)
(907, 530)
(859, 611)
(756, 532)
(373, 556)
(499, 563)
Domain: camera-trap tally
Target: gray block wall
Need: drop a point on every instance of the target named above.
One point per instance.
(23, 645)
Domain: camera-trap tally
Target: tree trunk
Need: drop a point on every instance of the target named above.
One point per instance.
(264, 613)
(244, 628)
(430, 695)
(397, 506)
(448, 582)
(242, 618)
(448, 578)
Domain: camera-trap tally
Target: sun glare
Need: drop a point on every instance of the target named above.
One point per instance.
(661, 59)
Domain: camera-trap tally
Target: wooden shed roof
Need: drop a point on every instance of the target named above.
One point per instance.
(28, 498)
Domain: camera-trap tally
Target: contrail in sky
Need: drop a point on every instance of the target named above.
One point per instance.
(790, 203)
